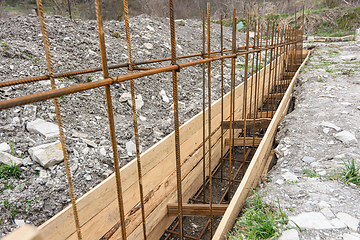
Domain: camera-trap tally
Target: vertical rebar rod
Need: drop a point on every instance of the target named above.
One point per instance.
(275, 82)
(137, 147)
(252, 72)
(295, 60)
(302, 33)
(111, 117)
(204, 115)
(245, 92)
(222, 96)
(176, 118)
(256, 85)
(265, 67)
(271, 66)
(58, 117)
(209, 116)
(259, 67)
(231, 102)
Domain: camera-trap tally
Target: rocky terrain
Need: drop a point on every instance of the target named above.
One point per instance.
(29, 134)
(317, 141)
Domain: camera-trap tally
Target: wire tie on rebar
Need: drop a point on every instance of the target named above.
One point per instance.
(179, 68)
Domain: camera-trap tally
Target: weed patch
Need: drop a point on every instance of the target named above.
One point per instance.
(260, 220)
(7, 171)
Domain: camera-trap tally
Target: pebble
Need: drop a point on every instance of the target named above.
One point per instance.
(87, 177)
(89, 143)
(4, 147)
(76, 134)
(346, 137)
(309, 159)
(315, 220)
(330, 125)
(327, 213)
(290, 234)
(351, 236)
(103, 151)
(43, 127)
(139, 103)
(148, 46)
(86, 150)
(349, 220)
(164, 97)
(125, 97)
(131, 148)
(19, 222)
(9, 159)
(326, 130)
(323, 204)
(48, 154)
(288, 176)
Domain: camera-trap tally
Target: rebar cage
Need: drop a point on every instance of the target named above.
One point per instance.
(227, 135)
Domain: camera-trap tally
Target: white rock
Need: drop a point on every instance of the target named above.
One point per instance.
(346, 104)
(19, 222)
(15, 120)
(315, 220)
(311, 38)
(350, 221)
(323, 204)
(87, 177)
(326, 130)
(76, 134)
(9, 159)
(348, 58)
(279, 181)
(4, 147)
(139, 103)
(125, 97)
(91, 52)
(142, 118)
(163, 95)
(131, 148)
(48, 154)
(43, 174)
(288, 176)
(327, 213)
(309, 159)
(47, 129)
(150, 28)
(86, 150)
(290, 234)
(103, 151)
(351, 236)
(148, 46)
(346, 137)
(89, 143)
(330, 125)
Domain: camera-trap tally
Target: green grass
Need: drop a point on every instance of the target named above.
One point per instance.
(259, 221)
(349, 173)
(7, 171)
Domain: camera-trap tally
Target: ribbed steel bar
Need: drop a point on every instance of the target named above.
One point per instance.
(256, 85)
(138, 159)
(111, 117)
(270, 70)
(275, 81)
(58, 117)
(203, 114)
(176, 119)
(209, 116)
(222, 94)
(265, 67)
(245, 89)
(252, 71)
(231, 133)
(259, 68)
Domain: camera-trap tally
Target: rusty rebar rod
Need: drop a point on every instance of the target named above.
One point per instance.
(137, 147)
(58, 117)
(203, 113)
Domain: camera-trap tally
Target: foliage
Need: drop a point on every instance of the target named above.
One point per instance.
(260, 220)
(350, 173)
(7, 171)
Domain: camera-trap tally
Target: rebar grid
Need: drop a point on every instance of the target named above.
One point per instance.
(283, 42)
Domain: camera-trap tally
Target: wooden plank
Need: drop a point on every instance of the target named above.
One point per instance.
(268, 114)
(283, 82)
(26, 232)
(255, 168)
(240, 141)
(275, 95)
(197, 209)
(239, 124)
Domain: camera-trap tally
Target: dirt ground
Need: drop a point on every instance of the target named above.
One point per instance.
(327, 104)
